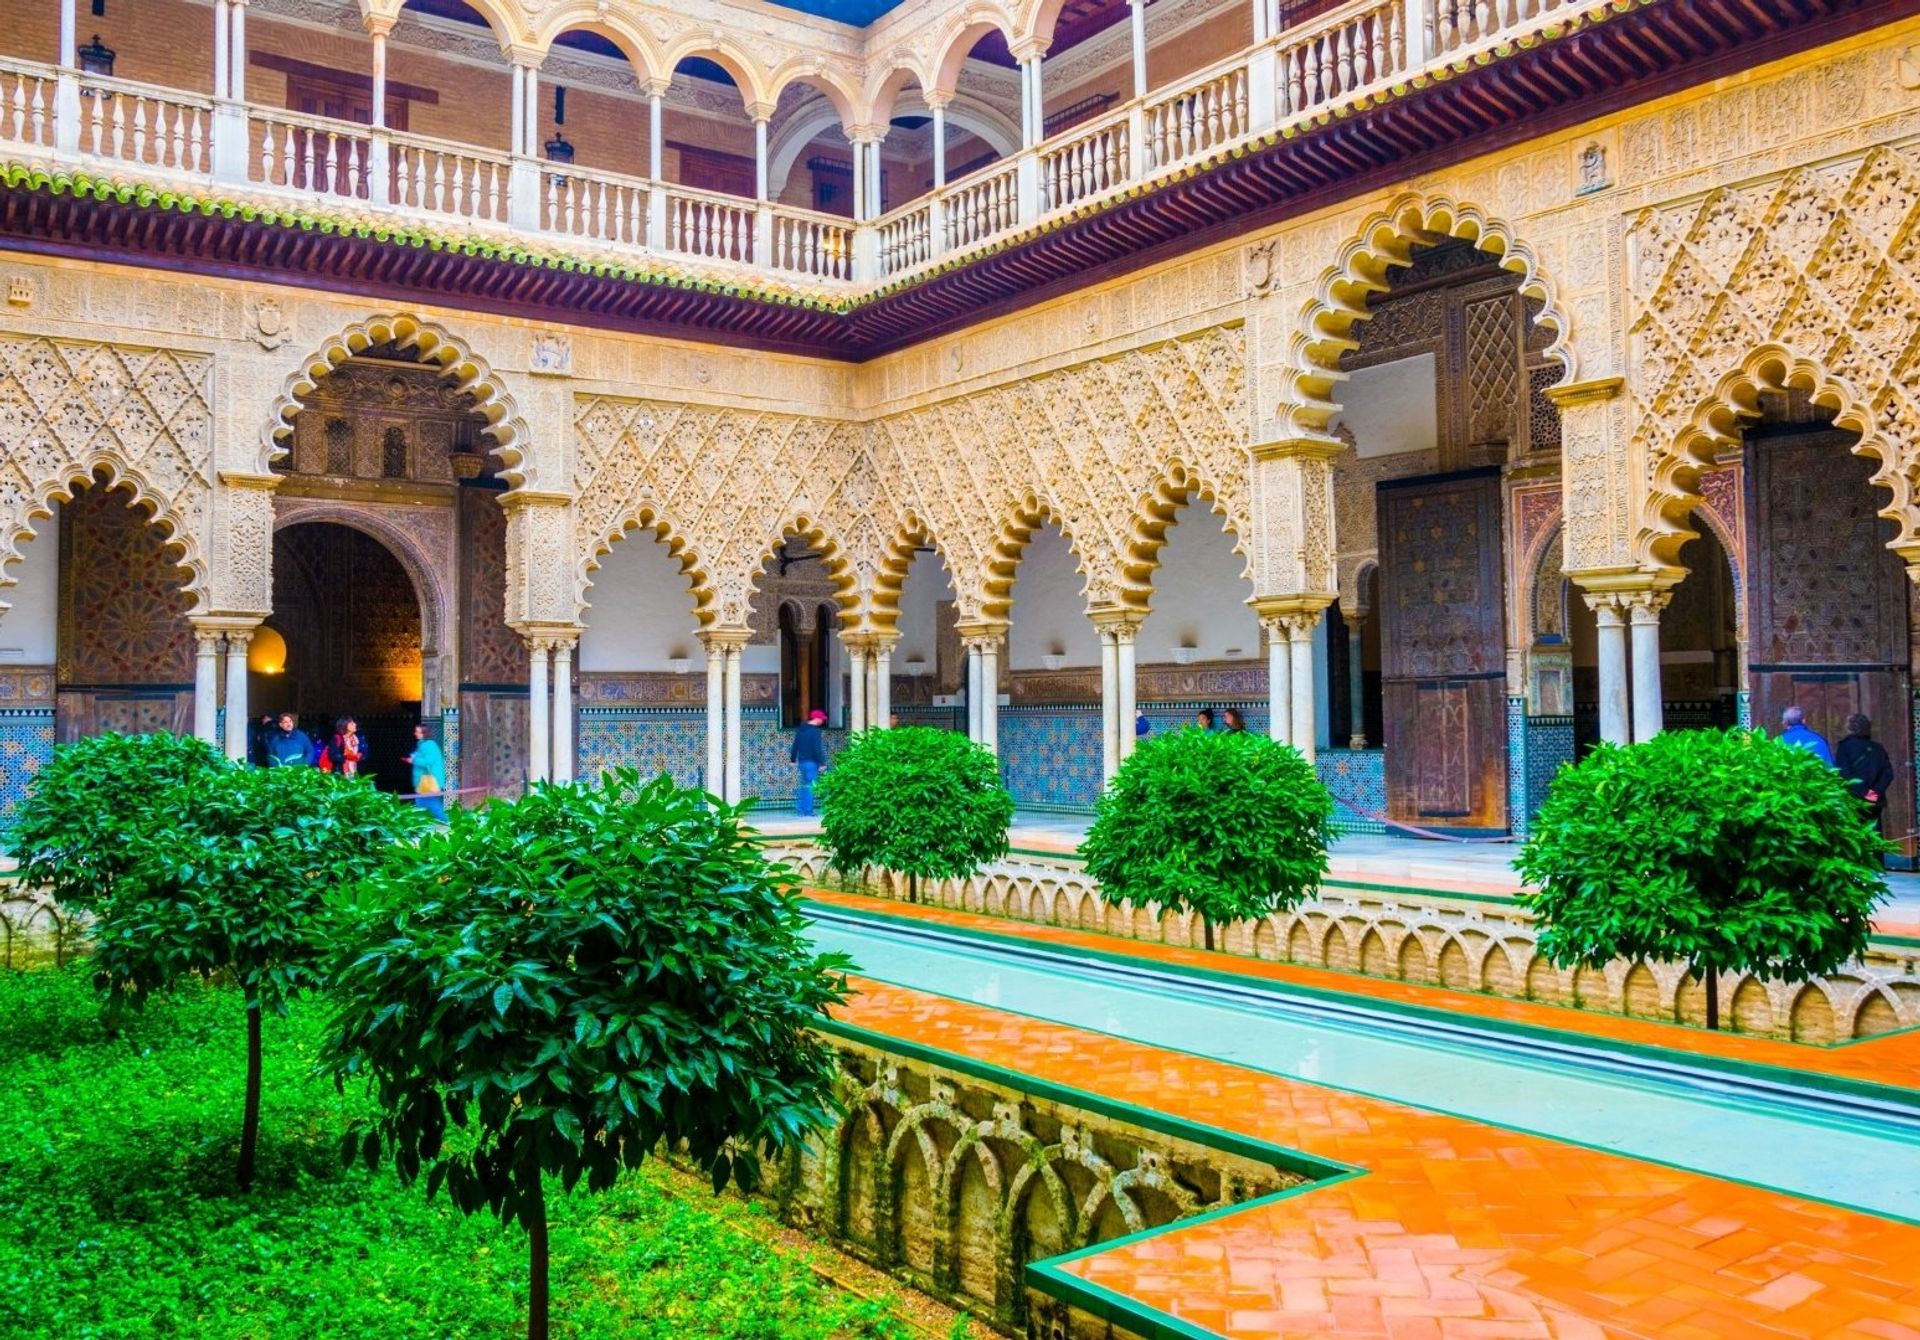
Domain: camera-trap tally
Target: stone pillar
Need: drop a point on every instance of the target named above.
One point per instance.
(733, 720)
(882, 683)
(237, 64)
(206, 683)
(1305, 728)
(1643, 611)
(239, 714)
(856, 685)
(990, 693)
(1609, 616)
(1123, 647)
(563, 709)
(1139, 15)
(716, 781)
(1356, 686)
(973, 689)
(939, 106)
(539, 731)
(379, 78)
(222, 45)
(759, 158)
(1109, 705)
(1279, 680)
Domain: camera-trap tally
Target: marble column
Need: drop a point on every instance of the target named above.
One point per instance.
(856, 688)
(1138, 16)
(1356, 686)
(1109, 705)
(1611, 622)
(733, 722)
(716, 782)
(1124, 682)
(206, 683)
(1643, 612)
(760, 158)
(563, 709)
(379, 80)
(990, 693)
(882, 684)
(1305, 729)
(1279, 680)
(973, 689)
(238, 713)
(222, 46)
(539, 731)
(237, 64)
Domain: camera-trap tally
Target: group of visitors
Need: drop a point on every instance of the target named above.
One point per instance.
(1861, 759)
(280, 743)
(1235, 724)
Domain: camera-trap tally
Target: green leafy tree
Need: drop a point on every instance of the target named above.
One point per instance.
(558, 986)
(1720, 849)
(925, 803)
(91, 811)
(238, 880)
(1230, 825)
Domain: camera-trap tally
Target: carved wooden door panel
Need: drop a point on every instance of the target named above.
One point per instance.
(1828, 622)
(1443, 650)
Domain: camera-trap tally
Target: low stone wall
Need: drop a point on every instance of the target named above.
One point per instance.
(1437, 939)
(956, 1179)
(32, 930)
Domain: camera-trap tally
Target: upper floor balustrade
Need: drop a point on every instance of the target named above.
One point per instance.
(224, 146)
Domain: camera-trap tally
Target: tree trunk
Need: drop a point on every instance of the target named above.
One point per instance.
(913, 887)
(1206, 927)
(1711, 979)
(250, 1122)
(537, 1267)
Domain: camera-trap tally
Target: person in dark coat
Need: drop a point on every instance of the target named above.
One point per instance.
(288, 746)
(809, 754)
(1863, 761)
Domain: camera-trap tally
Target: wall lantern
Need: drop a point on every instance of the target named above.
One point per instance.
(679, 664)
(96, 58)
(559, 150)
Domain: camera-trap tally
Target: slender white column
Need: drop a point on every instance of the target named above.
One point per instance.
(206, 684)
(379, 81)
(990, 695)
(882, 685)
(1262, 21)
(876, 182)
(238, 713)
(1279, 681)
(1300, 643)
(760, 158)
(939, 144)
(563, 711)
(733, 724)
(1648, 716)
(1123, 645)
(859, 182)
(222, 45)
(237, 65)
(857, 689)
(1039, 105)
(1139, 8)
(656, 136)
(539, 733)
(519, 131)
(68, 39)
(1613, 668)
(976, 693)
(1109, 705)
(533, 112)
(716, 722)
(1356, 688)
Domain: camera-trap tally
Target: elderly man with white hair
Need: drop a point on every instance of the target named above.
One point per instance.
(1795, 731)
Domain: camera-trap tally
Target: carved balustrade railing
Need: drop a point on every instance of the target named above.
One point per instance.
(1343, 53)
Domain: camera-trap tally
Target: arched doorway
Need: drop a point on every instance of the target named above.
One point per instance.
(349, 618)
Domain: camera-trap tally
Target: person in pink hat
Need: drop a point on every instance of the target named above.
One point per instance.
(809, 754)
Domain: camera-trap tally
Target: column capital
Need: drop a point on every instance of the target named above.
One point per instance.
(866, 134)
(1645, 606)
(1123, 624)
(1303, 604)
(982, 632)
(1031, 48)
(760, 111)
(225, 625)
(1585, 392)
(378, 24)
(657, 85)
(526, 57)
(937, 100)
(724, 639)
(1308, 446)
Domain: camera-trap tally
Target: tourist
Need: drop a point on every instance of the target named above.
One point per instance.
(893, 721)
(1141, 726)
(809, 754)
(429, 773)
(1236, 724)
(1204, 719)
(1863, 761)
(1795, 731)
(346, 749)
(257, 740)
(287, 746)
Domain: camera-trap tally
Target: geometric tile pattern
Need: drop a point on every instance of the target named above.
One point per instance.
(26, 744)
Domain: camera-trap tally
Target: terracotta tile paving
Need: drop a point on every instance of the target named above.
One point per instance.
(1891, 1060)
(1455, 1230)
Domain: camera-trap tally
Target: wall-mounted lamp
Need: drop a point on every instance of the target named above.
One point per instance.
(1053, 660)
(915, 665)
(558, 149)
(96, 58)
(1183, 655)
(679, 664)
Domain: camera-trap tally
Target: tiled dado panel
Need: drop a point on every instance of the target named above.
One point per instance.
(674, 741)
(1358, 780)
(1050, 756)
(26, 744)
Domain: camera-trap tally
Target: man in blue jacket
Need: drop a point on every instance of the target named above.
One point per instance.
(288, 745)
(809, 753)
(1795, 731)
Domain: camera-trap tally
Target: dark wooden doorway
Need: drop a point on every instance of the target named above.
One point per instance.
(1828, 619)
(1443, 650)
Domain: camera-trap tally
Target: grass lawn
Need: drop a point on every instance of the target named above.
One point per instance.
(118, 1215)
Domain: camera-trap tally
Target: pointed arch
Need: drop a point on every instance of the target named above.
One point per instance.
(1384, 241)
(890, 574)
(101, 470)
(834, 555)
(1011, 539)
(649, 516)
(434, 344)
(1174, 488)
(1719, 420)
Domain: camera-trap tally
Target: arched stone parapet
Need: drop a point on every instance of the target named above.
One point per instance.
(435, 345)
(140, 418)
(1804, 280)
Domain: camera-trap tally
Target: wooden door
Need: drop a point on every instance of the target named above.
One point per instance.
(1443, 650)
(340, 167)
(1828, 622)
